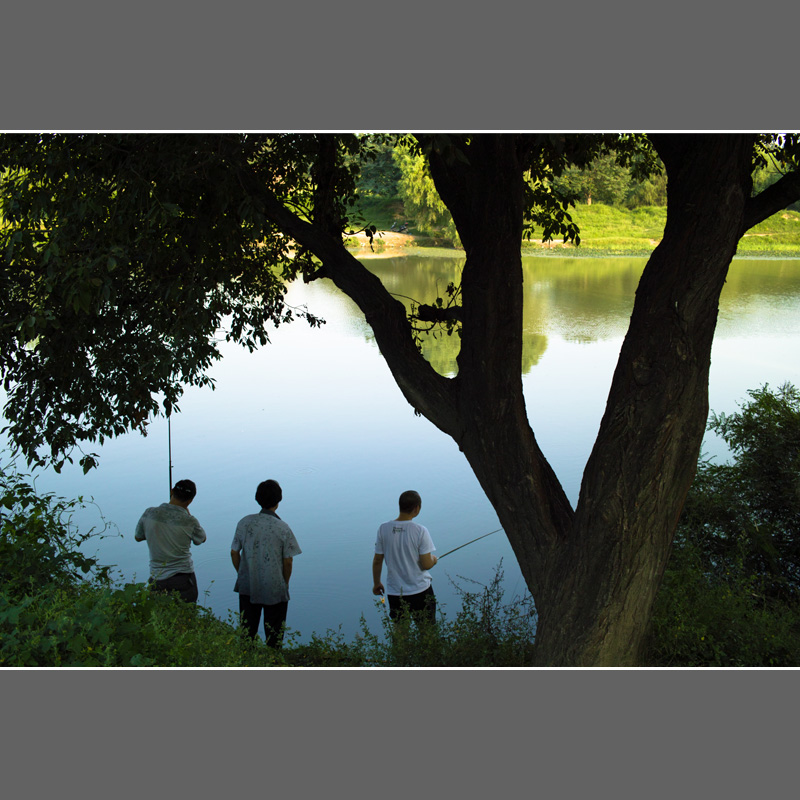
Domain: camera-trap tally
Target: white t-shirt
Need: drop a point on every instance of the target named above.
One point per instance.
(401, 544)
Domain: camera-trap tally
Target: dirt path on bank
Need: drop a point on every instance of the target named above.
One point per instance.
(390, 241)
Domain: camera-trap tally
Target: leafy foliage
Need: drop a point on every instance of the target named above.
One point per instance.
(700, 620)
(749, 509)
(60, 607)
(486, 631)
(123, 255)
(126, 257)
(420, 198)
(38, 543)
(606, 180)
(731, 593)
(379, 174)
(779, 150)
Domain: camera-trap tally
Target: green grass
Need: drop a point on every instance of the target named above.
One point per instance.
(778, 235)
(606, 230)
(95, 624)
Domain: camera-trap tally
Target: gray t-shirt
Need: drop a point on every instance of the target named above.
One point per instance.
(263, 540)
(169, 531)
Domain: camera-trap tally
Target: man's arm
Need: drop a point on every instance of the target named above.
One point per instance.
(236, 559)
(377, 566)
(287, 569)
(198, 534)
(427, 560)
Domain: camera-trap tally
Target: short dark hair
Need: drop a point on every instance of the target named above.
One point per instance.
(184, 490)
(268, 494)
(409, 501)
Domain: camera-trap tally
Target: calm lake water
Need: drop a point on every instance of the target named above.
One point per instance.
(319, 411)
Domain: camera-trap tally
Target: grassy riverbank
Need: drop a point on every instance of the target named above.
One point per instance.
(608, 231)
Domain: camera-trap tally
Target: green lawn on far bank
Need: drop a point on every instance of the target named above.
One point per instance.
(610, 230)
(606, 230)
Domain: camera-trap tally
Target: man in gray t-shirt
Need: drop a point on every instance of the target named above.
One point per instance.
(170, 530)
(262, 551)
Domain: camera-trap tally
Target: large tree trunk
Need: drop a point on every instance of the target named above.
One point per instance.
(598, 596)
(594, 574)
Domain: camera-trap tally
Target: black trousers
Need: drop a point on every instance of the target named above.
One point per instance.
(185, 583)
(423, 604)
(274, 618)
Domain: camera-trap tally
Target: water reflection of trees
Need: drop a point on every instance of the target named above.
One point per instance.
(581, 299)
(760, 295)
(420, 280)
(576, 299)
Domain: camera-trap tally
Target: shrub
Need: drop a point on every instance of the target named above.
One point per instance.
(701, 620)
(487, 631)
(731, 592)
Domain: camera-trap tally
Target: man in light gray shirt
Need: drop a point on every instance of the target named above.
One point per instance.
(170, 530)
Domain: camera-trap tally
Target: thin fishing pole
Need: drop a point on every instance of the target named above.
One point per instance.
(169, 447)
(466, 543)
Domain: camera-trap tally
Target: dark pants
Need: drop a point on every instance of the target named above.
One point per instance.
(422, 605)
(185, 583)
(274, 618)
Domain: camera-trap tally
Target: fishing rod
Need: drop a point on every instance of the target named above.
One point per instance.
(169, 447)
(383, 596)
(466, 543)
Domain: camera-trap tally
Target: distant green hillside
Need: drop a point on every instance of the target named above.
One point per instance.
(619, 231)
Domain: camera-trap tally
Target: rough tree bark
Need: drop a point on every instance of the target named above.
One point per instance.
(600, 591)
(593, 571)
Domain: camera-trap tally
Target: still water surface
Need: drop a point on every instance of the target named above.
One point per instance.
(319, 411)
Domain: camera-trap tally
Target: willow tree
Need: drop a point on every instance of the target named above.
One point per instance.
(123, 255)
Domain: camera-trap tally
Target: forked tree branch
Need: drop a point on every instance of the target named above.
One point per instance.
(428, 392)
(774, 198)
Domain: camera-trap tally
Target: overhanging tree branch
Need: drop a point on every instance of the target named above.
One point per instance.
(428, 392)
(774, 198)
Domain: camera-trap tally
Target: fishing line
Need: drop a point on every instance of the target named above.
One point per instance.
(466, 543)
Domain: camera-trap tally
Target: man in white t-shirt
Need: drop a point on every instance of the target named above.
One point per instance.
(407, 549)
